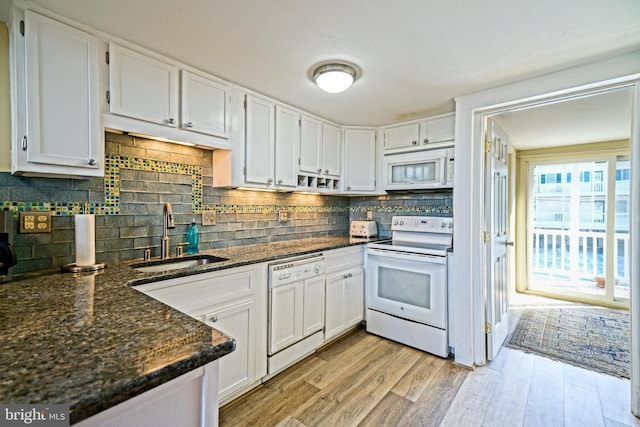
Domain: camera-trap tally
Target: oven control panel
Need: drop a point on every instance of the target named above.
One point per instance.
(430, 224)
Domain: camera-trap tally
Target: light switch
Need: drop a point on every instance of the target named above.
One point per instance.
(283, 216)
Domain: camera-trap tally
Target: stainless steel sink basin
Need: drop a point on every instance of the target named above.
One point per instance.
(170, 264)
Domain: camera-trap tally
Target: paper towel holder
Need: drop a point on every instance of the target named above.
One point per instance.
(73, 268)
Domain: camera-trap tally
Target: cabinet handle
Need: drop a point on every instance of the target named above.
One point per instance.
(92, 162)
(279, 181)
(414, 142)
(213, 319)
(319, 170)
(270, 181)
(345, 276)
(348, 187)
(426, 141)
(24, 143)
(326, 171)
(188, 125)
(172, 121)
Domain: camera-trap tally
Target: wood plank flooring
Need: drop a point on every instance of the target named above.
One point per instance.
(365, 380)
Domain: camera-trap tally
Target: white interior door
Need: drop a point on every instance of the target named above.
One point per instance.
(497, 301)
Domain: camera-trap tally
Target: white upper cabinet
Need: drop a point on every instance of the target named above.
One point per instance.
(320, 150)
(359, 160)
(420, 134)
(142, 87)
(319, 147)
(403, 136)
(331, 150)
(271, 150)
(439, 129)
(310, 145)
(156, 97)
(56, 115)
(287, 142)
(205, 106)
(260, 141)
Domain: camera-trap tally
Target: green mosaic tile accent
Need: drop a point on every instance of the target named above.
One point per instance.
(111, 204)
(113, 164)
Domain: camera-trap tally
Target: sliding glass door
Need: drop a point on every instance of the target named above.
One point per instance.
(578, 228)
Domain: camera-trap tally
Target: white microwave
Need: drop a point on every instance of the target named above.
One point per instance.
(419, 170)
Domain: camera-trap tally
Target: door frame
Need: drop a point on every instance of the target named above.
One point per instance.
(469, 315)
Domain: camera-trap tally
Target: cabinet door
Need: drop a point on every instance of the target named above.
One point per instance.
(334, 312)
(287, 143)
(331, 150)
(354, 297)
(360, 160)
(237, 369)
(405, 136)
(313, 307)
(286, 316)
(439, 130)
(205, 106)
(310, 145)
(142, 87)
(62, 98)
(260, 141)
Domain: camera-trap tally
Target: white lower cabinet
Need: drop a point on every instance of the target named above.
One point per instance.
(234, 301)
(191, 400)
(344, 306)
(237, 369)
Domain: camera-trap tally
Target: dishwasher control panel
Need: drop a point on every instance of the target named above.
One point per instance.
(295, 270)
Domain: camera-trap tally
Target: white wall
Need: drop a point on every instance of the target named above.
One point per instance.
(469, 200)
(468, 184)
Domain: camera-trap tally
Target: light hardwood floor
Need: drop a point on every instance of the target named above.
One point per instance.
(365, 380)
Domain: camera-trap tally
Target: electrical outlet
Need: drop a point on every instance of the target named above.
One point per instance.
(208, 218)
(35, 222)
(283, 216)
(369, 215)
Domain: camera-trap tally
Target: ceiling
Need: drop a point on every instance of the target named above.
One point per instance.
(415, 56)
(595, 118)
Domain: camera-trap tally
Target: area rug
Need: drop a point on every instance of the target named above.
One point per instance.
(590, 337)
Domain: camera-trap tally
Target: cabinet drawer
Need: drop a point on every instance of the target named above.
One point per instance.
(204, 290)
(343, 258)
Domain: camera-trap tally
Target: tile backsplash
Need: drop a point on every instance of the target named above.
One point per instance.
(141, 175)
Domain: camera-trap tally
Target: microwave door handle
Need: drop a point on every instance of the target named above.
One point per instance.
(443, 171)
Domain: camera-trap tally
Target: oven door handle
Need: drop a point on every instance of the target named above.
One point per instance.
(407, 256)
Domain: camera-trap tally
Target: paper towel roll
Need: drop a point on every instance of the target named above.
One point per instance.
(85, 239)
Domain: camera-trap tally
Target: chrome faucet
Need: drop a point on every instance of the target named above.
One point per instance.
(167, 223)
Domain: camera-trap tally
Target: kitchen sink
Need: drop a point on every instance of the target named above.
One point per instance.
(170, 264)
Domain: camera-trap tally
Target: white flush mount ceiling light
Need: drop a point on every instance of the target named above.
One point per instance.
(334, 77)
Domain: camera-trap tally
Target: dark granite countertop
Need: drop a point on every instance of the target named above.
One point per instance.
(93, 341)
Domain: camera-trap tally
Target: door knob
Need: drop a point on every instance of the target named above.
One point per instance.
(508, 243)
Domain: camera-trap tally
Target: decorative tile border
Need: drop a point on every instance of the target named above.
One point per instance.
(112, 188)
(113, 164)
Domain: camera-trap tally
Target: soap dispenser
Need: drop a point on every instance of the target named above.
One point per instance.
(193, 238)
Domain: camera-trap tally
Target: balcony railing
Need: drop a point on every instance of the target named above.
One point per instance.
(594, 221)
(578, 256)
(586, 188)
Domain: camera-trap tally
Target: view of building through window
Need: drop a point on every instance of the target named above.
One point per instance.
(574, 246)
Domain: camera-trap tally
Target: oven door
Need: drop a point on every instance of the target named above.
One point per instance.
(408, 285)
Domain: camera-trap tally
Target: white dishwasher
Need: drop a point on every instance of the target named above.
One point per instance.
(296, 310)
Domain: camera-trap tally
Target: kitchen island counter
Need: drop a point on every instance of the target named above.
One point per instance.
(92, 341)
